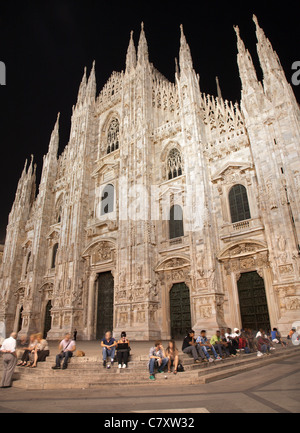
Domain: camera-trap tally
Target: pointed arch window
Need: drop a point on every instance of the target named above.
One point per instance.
(107, 199)
(174, 163)
(113, 136)
(176, 222)
(27, 262)
(239, 205)
(54, 254)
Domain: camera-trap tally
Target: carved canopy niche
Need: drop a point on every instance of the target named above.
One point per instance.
(245, 256)
(174, 269)
(47, 291)
(100, 252)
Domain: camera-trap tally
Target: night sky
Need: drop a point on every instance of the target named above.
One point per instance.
(46, 45)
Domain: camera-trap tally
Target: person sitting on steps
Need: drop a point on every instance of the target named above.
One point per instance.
(123, 350)
(172, 354)
(190, 346)
(66, 347)
(157, 357)
(205, 345)
(108, 344)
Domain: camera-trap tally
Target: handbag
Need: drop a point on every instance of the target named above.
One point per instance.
(180, 367)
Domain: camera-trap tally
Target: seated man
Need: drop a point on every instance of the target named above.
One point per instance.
(157, 357)
(227, 343)
(205, 345)
(190, 346)
(263, 345)
(276, 337)
(233, 340)
(219, 345)
(66, 347)
(108, 344)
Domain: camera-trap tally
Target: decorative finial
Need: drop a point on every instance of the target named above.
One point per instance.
(255, 19)
(237, 30)
(142, 25)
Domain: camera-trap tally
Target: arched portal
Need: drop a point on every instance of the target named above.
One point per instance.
(180, 310)
(253, 301)
(105, 303)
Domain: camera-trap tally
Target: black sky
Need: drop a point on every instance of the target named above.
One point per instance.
(45, 46)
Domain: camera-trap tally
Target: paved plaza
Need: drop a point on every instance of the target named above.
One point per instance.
(270, 389)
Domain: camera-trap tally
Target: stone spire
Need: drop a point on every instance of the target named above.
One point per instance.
(131, 55)
(185, 57)
(54, 140)
(82, 89)
(142, 52)
(91, 85)
(273, 74)
(247, 71)
(218, 88)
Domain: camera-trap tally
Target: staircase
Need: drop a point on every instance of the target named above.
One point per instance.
(88, 372)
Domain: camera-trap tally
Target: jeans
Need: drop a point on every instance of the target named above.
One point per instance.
(66, 355)
(164, 362)
(204, 348)
(264, 348)
(108, 352)
(196, 351)
(221, 348)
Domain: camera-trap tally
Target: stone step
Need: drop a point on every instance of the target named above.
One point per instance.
(219, 374)
(91, 374)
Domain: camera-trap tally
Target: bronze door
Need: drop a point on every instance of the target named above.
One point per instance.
(253, 301)
(105, 304)
(180, 310)
(47, 322)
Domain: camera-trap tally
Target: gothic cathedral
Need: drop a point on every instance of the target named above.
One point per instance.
(168, 208)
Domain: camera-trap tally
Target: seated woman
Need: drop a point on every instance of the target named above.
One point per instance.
(123, 350)
(41, 351)
(172, 354)
(21, 346)
(31, 347)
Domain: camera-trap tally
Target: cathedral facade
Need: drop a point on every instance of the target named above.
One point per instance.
(167, 209)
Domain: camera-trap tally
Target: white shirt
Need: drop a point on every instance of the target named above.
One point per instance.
(67, 345)
(9, 344)
(259, 334)
(228, 335)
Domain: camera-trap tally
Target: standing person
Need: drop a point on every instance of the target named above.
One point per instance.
(108, 344)
(66, 347)
(123, 350)
(157, 357)
(172, 354)
(205, 345)
(190, 346)
(75, 334)
(8, 349)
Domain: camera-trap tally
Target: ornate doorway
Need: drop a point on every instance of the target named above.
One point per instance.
(180, 310)
(105, 303)
(47, 321)
(253, 301)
